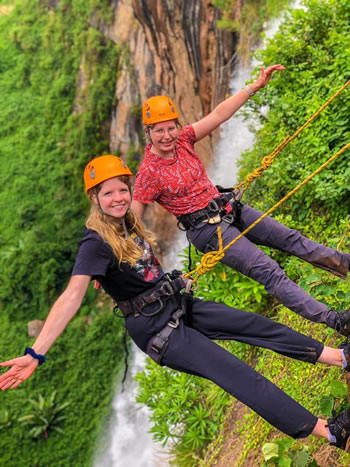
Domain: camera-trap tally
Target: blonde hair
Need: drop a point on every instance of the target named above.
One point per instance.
(111, 230)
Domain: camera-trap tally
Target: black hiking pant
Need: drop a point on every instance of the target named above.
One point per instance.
(191, 350)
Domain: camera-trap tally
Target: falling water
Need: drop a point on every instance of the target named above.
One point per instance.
(129, 442)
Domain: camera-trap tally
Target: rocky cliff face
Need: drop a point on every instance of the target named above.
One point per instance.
(171, 47)
(168, 47)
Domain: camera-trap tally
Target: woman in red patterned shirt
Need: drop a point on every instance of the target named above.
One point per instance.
(172, 174)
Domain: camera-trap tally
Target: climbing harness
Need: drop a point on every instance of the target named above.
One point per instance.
(211, 214)
(226, 221)
(165, 289)
(214, 213)
(161, 292)
(210, 259)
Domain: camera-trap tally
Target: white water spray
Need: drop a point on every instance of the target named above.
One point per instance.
(128, 442)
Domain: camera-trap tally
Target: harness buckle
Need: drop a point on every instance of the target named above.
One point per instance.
(180, 226)
(167, 288)
(228, 218)
(213, 220)
(173, 324)
(213, 206)
(155, 348)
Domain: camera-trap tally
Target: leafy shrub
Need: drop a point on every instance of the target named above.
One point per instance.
(46, 416)
(5, 419)
(283, 453)
(186, 411)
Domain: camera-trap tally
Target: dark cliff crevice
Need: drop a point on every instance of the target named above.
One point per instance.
(188, 26)
(191, 10)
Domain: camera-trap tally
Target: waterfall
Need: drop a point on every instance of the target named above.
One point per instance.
(128, 442)
(235, 137)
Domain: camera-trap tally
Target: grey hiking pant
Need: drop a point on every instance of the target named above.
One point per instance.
(252, 262)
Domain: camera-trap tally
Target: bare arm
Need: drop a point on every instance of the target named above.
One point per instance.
(138, 208)
(63, 310)
(229, 107)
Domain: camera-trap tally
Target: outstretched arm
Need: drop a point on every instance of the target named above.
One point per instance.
(228, 107)
(65, 307)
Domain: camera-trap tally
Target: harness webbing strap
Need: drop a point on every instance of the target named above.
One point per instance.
(159, 343)
(224, 225)
(215, 206)
(163, 289)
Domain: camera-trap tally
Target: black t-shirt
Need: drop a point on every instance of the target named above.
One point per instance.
(122, 282)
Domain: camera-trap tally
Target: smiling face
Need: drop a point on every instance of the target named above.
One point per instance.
(164, 136)
(114, 197)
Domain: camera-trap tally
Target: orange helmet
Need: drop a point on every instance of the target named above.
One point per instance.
(102, 168)
(158, 109)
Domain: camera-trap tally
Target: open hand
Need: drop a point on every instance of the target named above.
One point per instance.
(264, 76)
(21, 369)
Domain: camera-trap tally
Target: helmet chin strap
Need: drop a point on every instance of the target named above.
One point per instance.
(124, 227)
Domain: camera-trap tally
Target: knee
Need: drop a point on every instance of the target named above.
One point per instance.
(269, 273)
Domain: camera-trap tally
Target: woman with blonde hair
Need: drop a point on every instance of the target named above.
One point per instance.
(167, 322)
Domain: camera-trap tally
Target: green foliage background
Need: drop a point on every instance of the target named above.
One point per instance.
(48, 131)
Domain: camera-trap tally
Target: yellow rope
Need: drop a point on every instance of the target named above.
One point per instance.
(210, 260)
(268, 160)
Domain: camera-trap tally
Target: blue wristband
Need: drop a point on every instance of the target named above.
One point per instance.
(38, 356)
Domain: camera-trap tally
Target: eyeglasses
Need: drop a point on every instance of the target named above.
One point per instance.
(160, 132)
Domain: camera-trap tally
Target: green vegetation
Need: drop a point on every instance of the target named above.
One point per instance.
(283, 453)
(51, 124)
(314, 46)
(77, 367)
(186, 411)
(46, 416)
(248, 19)
(57, 81)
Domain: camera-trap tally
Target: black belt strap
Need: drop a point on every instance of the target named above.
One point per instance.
(162, 289)
(215, 206)
(159, 343)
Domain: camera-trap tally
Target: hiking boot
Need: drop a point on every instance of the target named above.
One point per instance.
(340, 427)
(342, 324)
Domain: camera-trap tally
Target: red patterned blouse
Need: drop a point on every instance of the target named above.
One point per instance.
(181, 184)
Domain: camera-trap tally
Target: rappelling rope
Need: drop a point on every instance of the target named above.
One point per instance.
(210, 259)
(267, 161)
